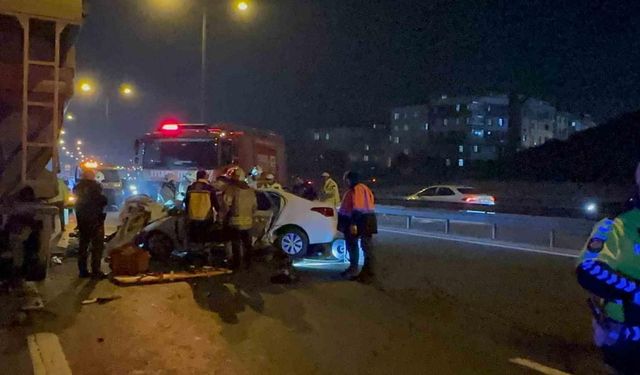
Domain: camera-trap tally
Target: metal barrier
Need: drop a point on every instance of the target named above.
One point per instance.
(519, 231)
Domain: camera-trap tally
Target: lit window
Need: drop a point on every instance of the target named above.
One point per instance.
(374, 126)
(396, 116)
(416, 113)
(501, 122)
(489, 122)
(366, 147)
(457, 120)
(390, 138)
(365, 158)
(447, 162)
(573, 124)
(524, 138)
(426, 126)
(316, 136)
(461, 148)
(457, 107)
(389, 162)
(489, 108)
(406, 151)
(468, 120)
(327, 136)
(476, 148)
(396, 140)
(445, 122)
(406, 127)
(460, 162)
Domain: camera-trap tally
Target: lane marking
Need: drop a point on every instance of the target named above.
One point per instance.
(537, 366)
(47, 356)
(481, 242)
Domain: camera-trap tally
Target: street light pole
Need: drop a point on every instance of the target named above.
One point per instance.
(203, 63)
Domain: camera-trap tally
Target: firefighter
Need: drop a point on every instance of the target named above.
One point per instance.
(329, 193)
(239, 205)
(357, 220)
(271, 182)
(90, 215)
(609, 268)
(168, 190)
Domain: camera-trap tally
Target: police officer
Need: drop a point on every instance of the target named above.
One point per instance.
(90, 215)
(329, 193)
(357, 220)
(609, 268)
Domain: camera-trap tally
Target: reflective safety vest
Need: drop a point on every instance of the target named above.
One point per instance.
(330, 192)
(609, 265)
(359, 198)
(199, 207)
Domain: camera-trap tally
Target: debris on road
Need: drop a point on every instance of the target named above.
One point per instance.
(56, 260)
(153, 278)
(100, 300)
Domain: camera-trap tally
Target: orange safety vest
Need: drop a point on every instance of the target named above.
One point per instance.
(359, 198)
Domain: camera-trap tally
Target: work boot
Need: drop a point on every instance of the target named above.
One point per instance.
(98, 275)
(84, 274)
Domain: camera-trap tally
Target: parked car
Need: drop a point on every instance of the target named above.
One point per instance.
(284, 220)
(453, 194)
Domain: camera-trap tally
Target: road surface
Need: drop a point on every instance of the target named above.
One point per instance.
(441, 307)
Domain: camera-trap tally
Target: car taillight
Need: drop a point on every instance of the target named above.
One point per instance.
(324, 211)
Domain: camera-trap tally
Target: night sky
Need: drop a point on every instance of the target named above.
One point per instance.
(299, 64)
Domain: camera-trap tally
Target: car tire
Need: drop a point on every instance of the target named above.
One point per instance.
(160, 246)
(293, 242)
(339, 251)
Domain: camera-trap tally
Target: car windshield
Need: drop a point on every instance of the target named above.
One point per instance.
(468, 190)
(181, 153)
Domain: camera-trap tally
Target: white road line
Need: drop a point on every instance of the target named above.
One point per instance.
(537, 367)
(481, 242)
(47, 355)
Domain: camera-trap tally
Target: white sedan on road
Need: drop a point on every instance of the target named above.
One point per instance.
(287, 221)
(452, 194)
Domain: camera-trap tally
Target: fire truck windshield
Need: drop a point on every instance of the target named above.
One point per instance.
(178, 153)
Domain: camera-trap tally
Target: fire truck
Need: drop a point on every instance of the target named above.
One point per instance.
(182, 149)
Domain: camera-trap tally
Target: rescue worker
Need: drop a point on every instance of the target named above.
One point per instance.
(201, 205)
(609, 268)
(271, 182)
(168, 190)
(90, 215)
(239, 205)
(329, 193)
(357, 220)
(61, 200)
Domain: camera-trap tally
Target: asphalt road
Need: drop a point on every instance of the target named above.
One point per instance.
(441, 307)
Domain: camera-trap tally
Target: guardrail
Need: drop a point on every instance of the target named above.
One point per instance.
(551, 233)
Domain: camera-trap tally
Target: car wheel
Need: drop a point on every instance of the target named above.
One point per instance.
(160, 246)
(339, 251)
(293, 242)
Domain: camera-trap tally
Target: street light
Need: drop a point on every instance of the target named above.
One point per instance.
(241, 6)
(127, 90)
(70, 117)
(79, 142)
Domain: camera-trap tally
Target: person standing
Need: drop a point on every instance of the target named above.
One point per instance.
(357, 220)
(330, 193)
(271, 182)
(239, 207)
(201, 205)
(90, 216)
(609, 268)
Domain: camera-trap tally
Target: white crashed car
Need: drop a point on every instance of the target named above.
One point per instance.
(284, 220)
